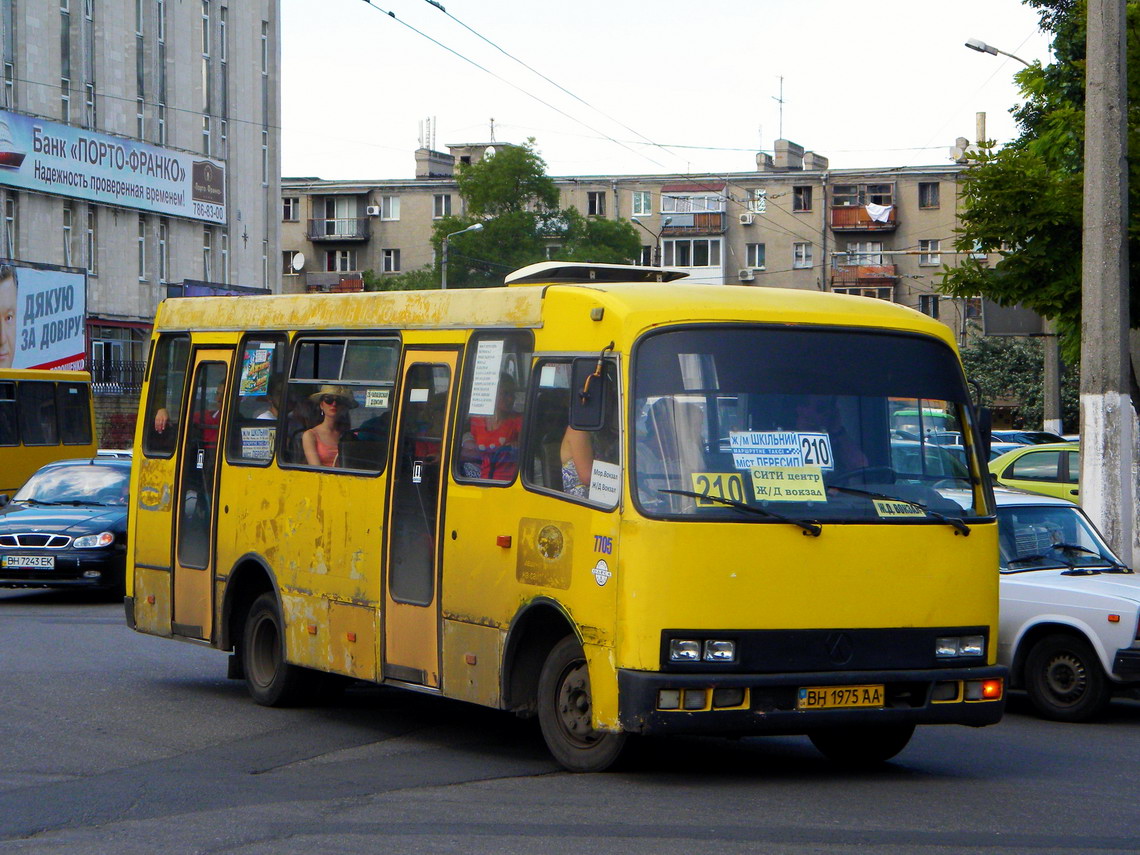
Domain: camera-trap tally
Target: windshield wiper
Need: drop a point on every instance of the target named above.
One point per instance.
(951, 521)
(1114, 566)
(812, 528)
(1026, 558)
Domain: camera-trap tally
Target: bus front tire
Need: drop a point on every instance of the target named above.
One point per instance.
(862, 746)
(271, 681)
(1064, 679)
(564, 712)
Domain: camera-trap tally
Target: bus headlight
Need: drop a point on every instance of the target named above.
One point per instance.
(720, 651)
(90, 541)
(684, 650)
(960, 645)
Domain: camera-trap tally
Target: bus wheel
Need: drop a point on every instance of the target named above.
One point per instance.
(1064, 679)
(271, 681)
(862, 746)
(564, 708)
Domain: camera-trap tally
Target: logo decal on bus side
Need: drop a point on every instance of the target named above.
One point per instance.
(601, 572)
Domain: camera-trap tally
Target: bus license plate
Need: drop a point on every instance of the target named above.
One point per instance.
(839, 697)
(28, 562)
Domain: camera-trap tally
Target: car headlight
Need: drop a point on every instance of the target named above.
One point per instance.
(90, 541)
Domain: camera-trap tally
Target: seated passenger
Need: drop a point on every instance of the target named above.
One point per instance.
(321, 443)
(490, 447)
(577, 462)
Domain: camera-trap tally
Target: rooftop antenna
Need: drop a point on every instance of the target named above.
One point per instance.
(780, 100)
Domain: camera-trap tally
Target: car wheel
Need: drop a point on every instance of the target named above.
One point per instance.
(1065, 679)
(271, 681)
(564, 712)
(871, 745)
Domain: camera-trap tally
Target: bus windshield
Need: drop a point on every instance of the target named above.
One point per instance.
(775, 424)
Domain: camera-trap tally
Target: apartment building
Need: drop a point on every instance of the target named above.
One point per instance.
(791, 223)
(139, 146)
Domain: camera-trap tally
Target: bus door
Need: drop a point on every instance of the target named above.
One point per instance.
(196, 510)
(411, 598)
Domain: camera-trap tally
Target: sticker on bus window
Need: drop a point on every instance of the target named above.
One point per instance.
(788, 484)
(257, 442)
(605, 483)
(418, 396)
(485, 377)
(727, 486)
(897, 509)
(376, 399)
(774, 449)
(255, 371)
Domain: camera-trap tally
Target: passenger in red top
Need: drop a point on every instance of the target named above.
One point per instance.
(491, 444)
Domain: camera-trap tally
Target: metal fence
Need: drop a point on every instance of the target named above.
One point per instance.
(117, 376)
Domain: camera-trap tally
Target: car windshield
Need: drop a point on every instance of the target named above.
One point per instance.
(810, 424)
(1040, 537)
(78, 484)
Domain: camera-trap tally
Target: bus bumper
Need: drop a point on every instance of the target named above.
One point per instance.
(744, 704)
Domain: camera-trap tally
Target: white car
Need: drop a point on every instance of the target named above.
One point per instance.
(1070, 610)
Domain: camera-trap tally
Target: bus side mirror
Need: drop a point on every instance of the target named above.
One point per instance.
(985, 429)
(4, 500)
(587, 394)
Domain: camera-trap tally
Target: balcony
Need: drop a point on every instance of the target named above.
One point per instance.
(858, 218)
(116, 376)
(687, 225)
(349, 229)
(863, 274)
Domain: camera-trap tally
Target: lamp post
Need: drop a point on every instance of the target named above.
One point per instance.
(477, 227)
(656, 237)
(982, 47)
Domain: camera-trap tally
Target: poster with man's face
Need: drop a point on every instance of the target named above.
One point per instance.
(42, 315)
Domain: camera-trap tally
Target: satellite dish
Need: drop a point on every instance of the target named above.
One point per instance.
(298, 261)
(489, 151)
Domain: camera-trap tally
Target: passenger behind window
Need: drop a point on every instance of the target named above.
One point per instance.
(490, 448)
(321, 443)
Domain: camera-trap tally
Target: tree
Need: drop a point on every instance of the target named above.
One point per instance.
(517, 203)
(1024, 201)
(410, 280)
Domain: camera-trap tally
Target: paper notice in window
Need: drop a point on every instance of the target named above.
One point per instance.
(485, 377)
(788, 484)
(605, 483)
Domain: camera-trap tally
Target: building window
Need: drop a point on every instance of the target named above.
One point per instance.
(596, 203)
(340, 260)
(65, 100)
(163, 250)
(389, 207)
(68, 233)
(695, 252)
(207, 253)
(973, 306)
(928, 195)
(206, 135)
(691, 203)
(928, 304)
(264, 47)
(265, 264)
(265, 158)
(642, 203)
(442, 206)
(91, 118)
(11, 211)
(391, 261)
(142, 248)
(645, 256)
(92, 241)
(140, 119)
(849, 195)
(161, 124)
(223, 28)
(290, 209)
(758, 200)
(801, 198)
(928, 253)
(287, 257)
(883, 292)
(801, 255)
(755, 255)
(867, 252)
(225, 257)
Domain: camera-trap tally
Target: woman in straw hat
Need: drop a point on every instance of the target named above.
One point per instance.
(322, 443)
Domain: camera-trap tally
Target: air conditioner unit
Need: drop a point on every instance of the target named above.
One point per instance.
(372, 210)
(746, 218)
(746, 274)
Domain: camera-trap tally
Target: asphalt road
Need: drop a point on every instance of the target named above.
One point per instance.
(112, 742)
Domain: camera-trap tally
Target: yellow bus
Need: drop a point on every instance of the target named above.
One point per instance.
(599, 496)
(44, 416)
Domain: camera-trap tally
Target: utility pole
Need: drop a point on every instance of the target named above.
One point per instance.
(1108, 421)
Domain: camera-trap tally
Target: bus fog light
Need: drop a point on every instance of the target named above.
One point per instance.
(984, 690)
(669, 699)
(720, 651)
(684, 650)
(971, 645)
(726, 698)
(946, 691)
(695, 699)
(91, 574)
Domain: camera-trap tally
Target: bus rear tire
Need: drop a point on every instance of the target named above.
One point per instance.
(862, 746)
(271, 681)
(564, 712)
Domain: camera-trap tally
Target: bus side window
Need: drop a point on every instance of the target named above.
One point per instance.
(9, 434)
(37, 414)
(490, 423)
(74, 413)
(164, 396)
(257, 400)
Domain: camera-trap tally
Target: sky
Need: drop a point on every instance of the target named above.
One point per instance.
(633, 87)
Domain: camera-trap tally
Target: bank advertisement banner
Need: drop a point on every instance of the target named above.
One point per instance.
(52, 158)
(42, 312)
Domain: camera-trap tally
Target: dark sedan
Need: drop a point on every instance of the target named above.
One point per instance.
(67, 527)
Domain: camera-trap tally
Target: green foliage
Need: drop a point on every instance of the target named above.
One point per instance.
(517, 204)
(1013, 369)
(411, 280)
(1025, 200)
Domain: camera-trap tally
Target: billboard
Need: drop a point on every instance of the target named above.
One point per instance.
(42, 316)
(48, 157)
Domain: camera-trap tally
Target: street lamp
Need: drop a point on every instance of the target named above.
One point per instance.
(982, 47)
(478, 227)
(656, 238)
